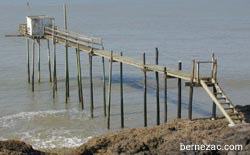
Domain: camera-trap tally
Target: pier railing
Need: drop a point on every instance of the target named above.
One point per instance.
(91, 42)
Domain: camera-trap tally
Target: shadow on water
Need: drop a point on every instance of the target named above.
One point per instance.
(136, 83)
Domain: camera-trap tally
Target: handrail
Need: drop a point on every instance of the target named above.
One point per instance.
(75, 36)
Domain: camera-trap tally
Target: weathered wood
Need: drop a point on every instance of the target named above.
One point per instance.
(54, 72)
(214, 105)
(165, 95)
(191, 92)
(104, 87)
(145, 90)
(217, 103)
(121, 91)
(67, 93)
(28, 58)
(33, 64)
(91, 85)
(179, 91)
(49, 63)
(39, 60)
(54, 62)
(60, 36)
(109, 90)
(157, 88)
(79, 78)
(66, 74)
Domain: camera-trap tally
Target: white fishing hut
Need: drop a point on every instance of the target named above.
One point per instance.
(36, 24)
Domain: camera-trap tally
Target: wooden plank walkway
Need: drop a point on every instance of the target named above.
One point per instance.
(90, 46)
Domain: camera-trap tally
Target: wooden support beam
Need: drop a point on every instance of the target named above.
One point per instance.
(157, 88)
(104, 87)
(121, 91)
(145, 90)
(191, 92)
(179, 91)
(109, 90)
(67, 94)
(91, 84)
(79, 78)
(214, 105)
(165, 95)
(54, 74)
(49, 63)
(33, 64)
(28, 58)
(66, 74)
(39, 61)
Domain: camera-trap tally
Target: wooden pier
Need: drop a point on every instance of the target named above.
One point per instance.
(94, 47)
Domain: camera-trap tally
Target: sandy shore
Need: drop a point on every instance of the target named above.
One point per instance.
(163, 139)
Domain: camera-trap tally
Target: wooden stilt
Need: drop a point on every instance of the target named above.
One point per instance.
(39, 60)
(33, 64)
(79, 77)
(104, 87)
(54, 74)
(28, 58)
(67, 59)
(66, 74)
(109, 90)
(191, 92)
(50, 78)
(121, 91)
(214, 105)
(54, 63)
(145, 90)
(214, 89)
(165, 95)
(157, 88)
(91, 84)
(179, 92)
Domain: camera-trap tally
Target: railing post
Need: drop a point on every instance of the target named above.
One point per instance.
(145, 90)
(165, 95)
(157, 88)
(191, 92)
(179, 91)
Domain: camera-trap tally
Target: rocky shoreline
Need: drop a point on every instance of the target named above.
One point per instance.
(158, 140)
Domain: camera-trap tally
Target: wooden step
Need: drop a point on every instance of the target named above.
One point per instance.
(218, 93)
(221, 98)
(223, 103)
(229, 108)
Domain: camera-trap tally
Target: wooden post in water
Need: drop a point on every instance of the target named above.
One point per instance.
(66, 59)
(91, 83)
(33, 64)
(214, 105)
(179, 91)
(121, 91)
(50, 78)
(28, 58)
(214, 89)
(79, 76)
(104, 87)
(145, 90)
(191, 92)
(165, 95)
(54, 63)
(157, 88)
(39, 60)
(66, 74)
(109, 90)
